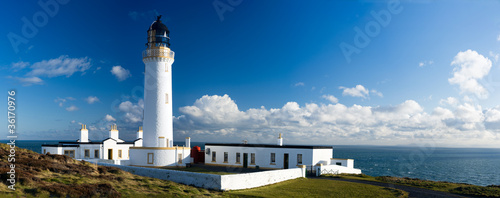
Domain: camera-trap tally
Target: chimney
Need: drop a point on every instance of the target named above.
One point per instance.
(113, 133)
(188, 142)
(280, 140)
(139, 133)
(84, 134)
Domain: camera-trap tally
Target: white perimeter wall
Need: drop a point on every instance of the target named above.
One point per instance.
(217, 182)
(252, 180)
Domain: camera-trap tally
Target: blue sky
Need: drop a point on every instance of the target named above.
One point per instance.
(423, 72)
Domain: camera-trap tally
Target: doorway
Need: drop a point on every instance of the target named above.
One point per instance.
(245, 160)
(285, 161)
(110, 153)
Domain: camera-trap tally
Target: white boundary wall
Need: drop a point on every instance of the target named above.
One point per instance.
(335, 169)
(252, 180)
(217, 182)
(208, 181)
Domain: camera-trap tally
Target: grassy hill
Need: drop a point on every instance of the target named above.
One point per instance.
(60, 176)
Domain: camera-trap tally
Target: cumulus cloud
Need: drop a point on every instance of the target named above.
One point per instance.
(449, 101)
(359, 91)
(109, 118)
(213, 116)
(330, 98)
(132, 112)
(92, 99)
(120, 73)
(469, 68)
(71, 108)
(62, 66)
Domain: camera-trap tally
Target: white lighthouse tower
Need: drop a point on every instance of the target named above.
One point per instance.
(158, 148)
(158, 59)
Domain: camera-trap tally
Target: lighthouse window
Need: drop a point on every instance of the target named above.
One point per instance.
(225, 157)
(213, 156)
(238, 157)
(87, 153)
(166, 98)
(150, 158)
(166, 67)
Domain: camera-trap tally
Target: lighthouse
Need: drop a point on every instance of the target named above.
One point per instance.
(158, 59)
(157, 132)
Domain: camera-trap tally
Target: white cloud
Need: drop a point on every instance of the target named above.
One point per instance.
(28, 81)
(109, 118)
(62, 66)
(213, 116)
(330, 98)
(449, 101)
(424, 63)
(299, 84)
(498, 38)
(494, 56)
(19, 65)
(132, 112)
(71, 108)
(120, 73)
(359, 91)
(92, 99)
(469, 68)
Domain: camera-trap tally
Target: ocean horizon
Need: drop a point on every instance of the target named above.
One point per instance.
(478, 166)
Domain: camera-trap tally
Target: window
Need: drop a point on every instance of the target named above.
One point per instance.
(273, 158)
(150, 158)
(166, 67)
(338, 163)
(179, 158)
(44, 151)
(238, 158)
(252, 158)
(87, 153)
(70, 153)
(214, 156)
(166, 98)
(299, 158)
(225, 157)
(120, 153)
(96, 153)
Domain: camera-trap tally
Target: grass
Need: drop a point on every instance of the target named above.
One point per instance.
(319, 188)
(455, 188)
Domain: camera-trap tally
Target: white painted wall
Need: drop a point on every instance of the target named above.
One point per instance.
(208, 181)
(252, 180)
(217, 182)
(334, 169)
(263, 156)
(344, 162)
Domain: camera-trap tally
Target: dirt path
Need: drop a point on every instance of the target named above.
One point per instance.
(413, 191)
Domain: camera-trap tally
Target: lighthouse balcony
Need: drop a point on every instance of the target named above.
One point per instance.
(161, 52)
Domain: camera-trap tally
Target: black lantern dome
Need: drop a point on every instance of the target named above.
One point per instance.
(158, 34)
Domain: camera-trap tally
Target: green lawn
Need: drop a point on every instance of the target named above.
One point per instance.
(318, 188)
(463, 189)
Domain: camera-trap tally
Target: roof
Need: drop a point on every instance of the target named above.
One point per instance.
(269, 146)
(159, 26)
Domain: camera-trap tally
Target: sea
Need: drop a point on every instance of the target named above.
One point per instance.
(478, 166)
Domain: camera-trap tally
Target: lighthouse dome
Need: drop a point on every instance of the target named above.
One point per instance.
(158, 34)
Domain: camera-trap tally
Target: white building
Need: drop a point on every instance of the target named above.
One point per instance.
(112, 148)
(158, 148)
(277, 156)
